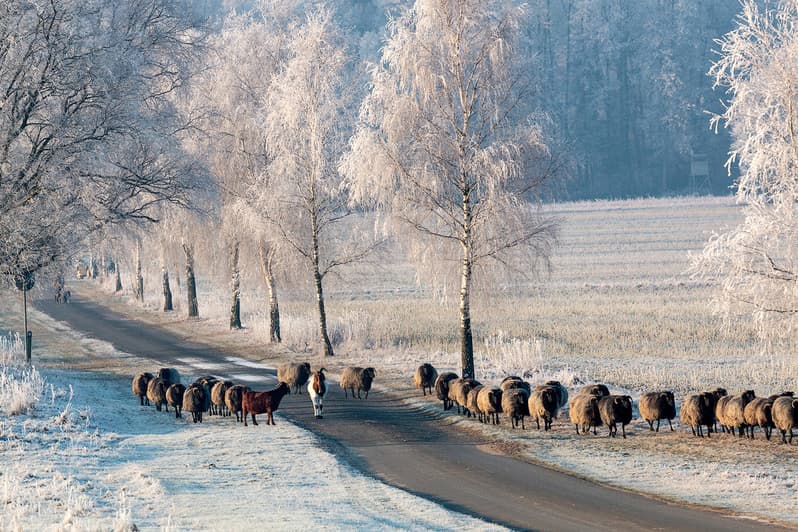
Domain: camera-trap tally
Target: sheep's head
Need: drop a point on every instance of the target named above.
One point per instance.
(306, 365)
(370, 372)
(748, 396)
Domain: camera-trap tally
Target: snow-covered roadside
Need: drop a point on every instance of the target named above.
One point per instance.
(88, 457)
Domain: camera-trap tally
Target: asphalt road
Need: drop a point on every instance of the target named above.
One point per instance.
(411, 449)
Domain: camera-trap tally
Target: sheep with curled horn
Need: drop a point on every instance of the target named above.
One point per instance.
(489, 403)
(425, 377)
(442, 388)
(357, 378)
(655, 406)
(140, 382)
(584, 412)
(295, 374)
(698, 410)
(174, 396)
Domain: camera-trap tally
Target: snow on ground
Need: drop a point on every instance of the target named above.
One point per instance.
(87, 456)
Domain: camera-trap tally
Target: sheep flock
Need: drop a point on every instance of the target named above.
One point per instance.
(590, 407)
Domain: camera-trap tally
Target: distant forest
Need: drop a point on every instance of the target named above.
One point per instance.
(623, 83)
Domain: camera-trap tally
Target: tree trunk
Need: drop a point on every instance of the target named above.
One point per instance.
(266, 256)
(317, 279)
(235, 309)
(167, 292)
(139, 276)
(118, 287)
(191, 285)
(466, 339)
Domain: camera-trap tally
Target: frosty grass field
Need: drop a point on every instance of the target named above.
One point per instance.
(617, 307)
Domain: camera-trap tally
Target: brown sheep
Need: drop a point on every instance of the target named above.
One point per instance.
(232, 400)
(785, 416)
(174, 396)
(355, 378)
(471, 402)
(489, 402)
(544, 404)
(730, 411)
(294, 374)
(194, 401)
(156, 392)
(615, 409)
(263, 403)
(442, 388)
(699, 410)
(584, 412)
(425, 377)
(655, 406)
(759, 413)
(458, 393)
(218, 392)
(514, 381)
(562, 392)
(515, 405)
(140, 382)
(599, 390)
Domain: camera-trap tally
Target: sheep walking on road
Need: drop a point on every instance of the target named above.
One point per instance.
(317, 390)
(356, 378)
(425, 377)
(263, 403)
(174, 396)
(442, 388)
(140, 382)
(295, 374)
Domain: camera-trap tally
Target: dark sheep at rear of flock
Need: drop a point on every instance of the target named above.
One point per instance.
(267, 402)
(515, 405)
(758, 413)
(785, 416)
(584, 412)
(232, 400)
(615, 409)
(174, 396)
(356, 378)
(295, 374)
(544, 403)
(655, 406)
(425, 377)
(169, 376)
(730, 411)
(698, 410)
(156, 393)
(140, 382)
(206, 383)
(599, 390)
(458, 393)
(514, 381)
(194, 400)
(218, 392)
(471, 402)
(442, 388)
(489, 402)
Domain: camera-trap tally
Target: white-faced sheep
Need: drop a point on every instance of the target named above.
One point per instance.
(140, 382)
(356, 378)
(514, 381)
(515, 405)
(599, 390)
(169, 376)
(584, 412)
(544, 404)
(194, 401)
(615, 409)
(698, 410)
(458, 393)
(655, 406)
(442, 388)
(295, 374)
(562, 392)
(232, 400)
(156, 393)
(730, 411)
(785, 416)
(425, 377)
(759, 413)
(471, 402)
(174, 396)
(489, 403)
(217, 398)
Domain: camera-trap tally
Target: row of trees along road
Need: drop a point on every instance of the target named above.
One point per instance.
(447, 144)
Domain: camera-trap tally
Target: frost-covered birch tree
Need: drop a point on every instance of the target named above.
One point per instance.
(306, 121)
(447, 145)
(756, 263)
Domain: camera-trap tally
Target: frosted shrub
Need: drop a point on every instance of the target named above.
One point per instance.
(21, 388)
(504, 355)
(12, 349)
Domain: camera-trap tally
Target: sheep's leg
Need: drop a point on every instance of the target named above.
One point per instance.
(791, 435)
(141, 400)
(693, 429)
(650, 424)
(576, 426)
(623, 429)
(670, 424)
(254, 421)
(768, 432)
(657, 426)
